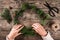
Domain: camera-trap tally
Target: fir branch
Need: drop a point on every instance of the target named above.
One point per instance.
(43, 16)
(41, 13)
(25, 6)
(6, 15)
(17, 14)
(28, 31)
(33, 7)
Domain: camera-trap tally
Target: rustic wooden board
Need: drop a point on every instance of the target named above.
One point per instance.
(5, 27)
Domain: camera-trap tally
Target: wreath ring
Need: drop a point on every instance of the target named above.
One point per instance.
(18, 13)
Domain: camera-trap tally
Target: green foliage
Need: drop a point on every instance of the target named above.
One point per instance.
(17, 14)
(43, 16)
(25, 6)
(33, 7)
(28, 31)
(6, 15)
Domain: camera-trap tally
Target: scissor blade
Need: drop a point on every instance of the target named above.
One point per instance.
(47, 5)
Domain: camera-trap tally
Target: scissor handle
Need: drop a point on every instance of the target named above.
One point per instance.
(51, 13)
(55, 9)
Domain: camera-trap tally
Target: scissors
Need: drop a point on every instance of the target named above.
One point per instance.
(52, 10)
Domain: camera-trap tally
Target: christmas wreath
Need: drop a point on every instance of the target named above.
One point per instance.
(6, 15)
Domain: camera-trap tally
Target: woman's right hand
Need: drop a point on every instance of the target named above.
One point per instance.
(14, 32)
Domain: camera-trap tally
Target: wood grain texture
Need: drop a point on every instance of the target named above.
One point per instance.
(16, 4)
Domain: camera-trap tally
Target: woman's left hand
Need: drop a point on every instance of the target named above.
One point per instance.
(39, 29)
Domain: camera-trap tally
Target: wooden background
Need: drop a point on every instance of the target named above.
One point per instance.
(15, 4)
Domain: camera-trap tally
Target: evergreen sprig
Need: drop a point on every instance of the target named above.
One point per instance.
(6, 15)
(28, 31)
(43, 16)
(25, 6)
(17, 14)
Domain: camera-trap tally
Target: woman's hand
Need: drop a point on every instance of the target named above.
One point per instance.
(39, 29)
(14, 32)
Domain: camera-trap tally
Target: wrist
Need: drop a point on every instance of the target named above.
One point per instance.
(9, 37)
(45, 34)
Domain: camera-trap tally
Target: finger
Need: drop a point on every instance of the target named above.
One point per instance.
(35, 29)
(38, 28)
(35, 23)
(18, 34)
(38, 25)
(20, 28)
(34, 26)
